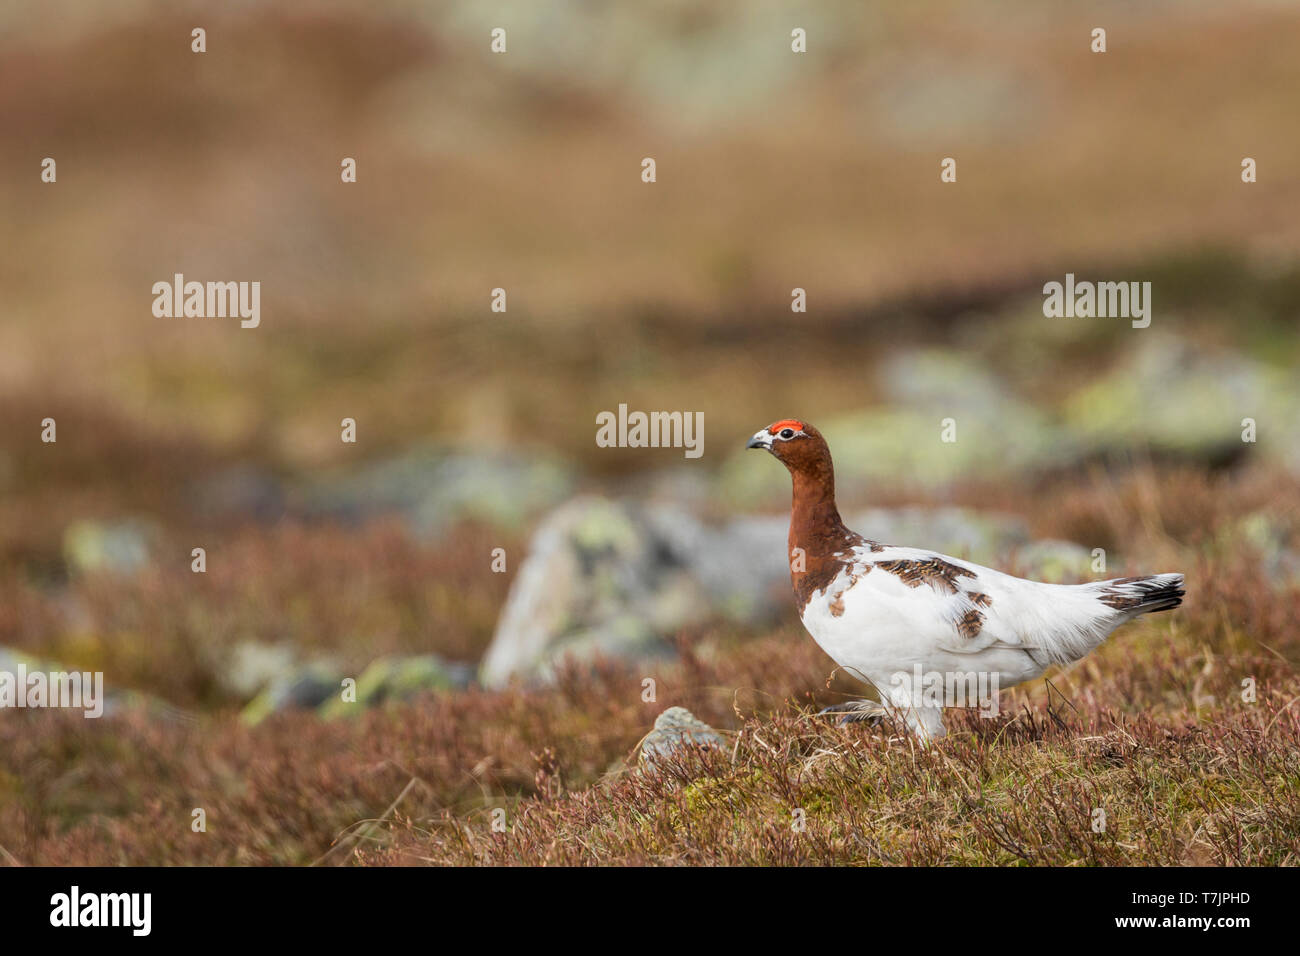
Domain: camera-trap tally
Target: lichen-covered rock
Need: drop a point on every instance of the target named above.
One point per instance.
(1273, 538)
(302, 688)
(740, 567)
(248, 667)
(596, 580)
(120, 547)
(677, 729)
(694, 64)
(1060, 562)
(319, 686)
(11, 660)
(116, 700)
(398, 678)
(1181, 400)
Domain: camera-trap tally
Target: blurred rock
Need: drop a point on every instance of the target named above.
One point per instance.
(116, 701)
(978, 99)
(1060, 562)
(319, 686)
(695, 64)
(1270, 537)
(434, 490)
(677, 729)
(11, 660)
(121, 547)
(1188, 402)
(240, 491)
(740, 567)
(303, 688)
(980, 536)
(676, 485)
(398, 678)
(250, 666)
(597, 580)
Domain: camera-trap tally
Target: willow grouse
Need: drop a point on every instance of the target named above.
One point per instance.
(882, 611)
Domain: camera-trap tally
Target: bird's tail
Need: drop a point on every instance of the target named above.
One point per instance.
(1142, 595)
(1075, 618)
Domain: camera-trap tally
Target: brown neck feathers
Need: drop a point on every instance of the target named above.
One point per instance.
(814, 519)
(816, 531)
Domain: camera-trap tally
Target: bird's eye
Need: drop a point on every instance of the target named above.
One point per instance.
(787, 432)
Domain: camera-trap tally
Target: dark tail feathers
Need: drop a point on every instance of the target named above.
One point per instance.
(1143, 595)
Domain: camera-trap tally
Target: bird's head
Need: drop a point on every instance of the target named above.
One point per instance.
(799, 446)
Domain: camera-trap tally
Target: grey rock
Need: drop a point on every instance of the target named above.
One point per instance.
(302, 688)
(693, 63)
(1060, 562)
(246, 668)
(1179, 399)
(740, 567)
(121, 547)
(677, 729)
(116, 701)
(319, 686)
(239, 491)
(11, 660)
(1271, 538)
(398, 678)
(596, 580)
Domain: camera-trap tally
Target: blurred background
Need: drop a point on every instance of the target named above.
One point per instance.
(476, 429)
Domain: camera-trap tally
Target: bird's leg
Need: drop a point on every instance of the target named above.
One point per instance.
(924, 721)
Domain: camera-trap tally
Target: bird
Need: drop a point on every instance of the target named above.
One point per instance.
(921, 626)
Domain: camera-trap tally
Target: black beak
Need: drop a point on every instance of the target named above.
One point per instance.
(757, 442)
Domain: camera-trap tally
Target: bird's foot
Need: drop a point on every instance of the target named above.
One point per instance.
(856, 711)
